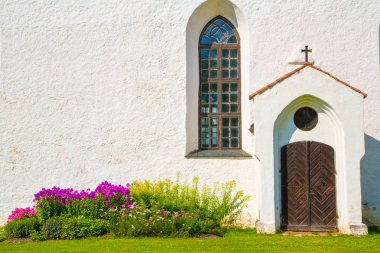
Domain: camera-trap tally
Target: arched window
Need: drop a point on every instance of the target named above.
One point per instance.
(219, 92)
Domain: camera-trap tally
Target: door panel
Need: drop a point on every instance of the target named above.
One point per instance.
(308, 187)
(294, 189)
(322, 187)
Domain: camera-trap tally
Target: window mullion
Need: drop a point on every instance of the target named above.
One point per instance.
(219, 98)
(239, 98)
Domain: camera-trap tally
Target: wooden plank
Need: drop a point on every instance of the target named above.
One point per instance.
(294, 186)
(323, 213)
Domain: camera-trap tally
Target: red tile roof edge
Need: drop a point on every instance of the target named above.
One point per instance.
(276, 81)
(339, 80)
(298, 69)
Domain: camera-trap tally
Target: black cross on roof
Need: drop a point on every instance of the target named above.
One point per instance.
(306, 51)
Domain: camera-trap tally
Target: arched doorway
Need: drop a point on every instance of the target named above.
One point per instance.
(308, 187)
(338, 124)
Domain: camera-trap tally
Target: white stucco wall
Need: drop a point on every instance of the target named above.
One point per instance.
(96, 90)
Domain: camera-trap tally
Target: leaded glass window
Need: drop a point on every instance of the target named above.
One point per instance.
(219, 91)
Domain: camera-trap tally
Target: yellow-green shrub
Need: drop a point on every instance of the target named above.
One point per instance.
(221, 203)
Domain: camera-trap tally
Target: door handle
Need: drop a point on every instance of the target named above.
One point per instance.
(313, 194)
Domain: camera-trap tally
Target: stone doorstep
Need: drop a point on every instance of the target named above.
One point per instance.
(301, 234)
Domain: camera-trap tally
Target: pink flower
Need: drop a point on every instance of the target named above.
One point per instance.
(19, 213)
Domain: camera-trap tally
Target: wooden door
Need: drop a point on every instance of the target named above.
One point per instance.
(308, 187)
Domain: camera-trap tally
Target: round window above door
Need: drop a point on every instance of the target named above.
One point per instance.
(306, 118)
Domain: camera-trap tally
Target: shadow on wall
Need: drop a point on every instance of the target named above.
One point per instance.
(370, 174)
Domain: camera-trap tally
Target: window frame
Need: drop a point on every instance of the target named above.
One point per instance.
(219, 80)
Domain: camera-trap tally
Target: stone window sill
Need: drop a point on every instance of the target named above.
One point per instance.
(219, 154)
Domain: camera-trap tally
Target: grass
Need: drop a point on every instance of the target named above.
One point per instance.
(234, 241)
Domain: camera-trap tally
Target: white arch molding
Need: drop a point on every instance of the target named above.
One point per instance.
(199, 18)
(329, 131)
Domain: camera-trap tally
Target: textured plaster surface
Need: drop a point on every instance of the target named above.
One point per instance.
(99, 90)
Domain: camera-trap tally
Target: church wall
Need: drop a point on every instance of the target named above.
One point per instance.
(97, 90)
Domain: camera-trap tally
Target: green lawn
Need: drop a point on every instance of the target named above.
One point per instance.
(234, 241)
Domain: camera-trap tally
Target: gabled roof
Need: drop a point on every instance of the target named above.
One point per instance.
(305, 64)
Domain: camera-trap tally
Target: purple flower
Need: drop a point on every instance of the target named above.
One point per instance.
(114, 196)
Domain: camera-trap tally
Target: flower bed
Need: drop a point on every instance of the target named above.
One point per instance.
(160, 208)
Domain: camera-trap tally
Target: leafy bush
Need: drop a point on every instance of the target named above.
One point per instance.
(161, 223)
(102, 203)
(166, 208)
(222, 204)
(52, 229)
(37, 235)
(2, 234)
(21, 228)
(75, 228)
